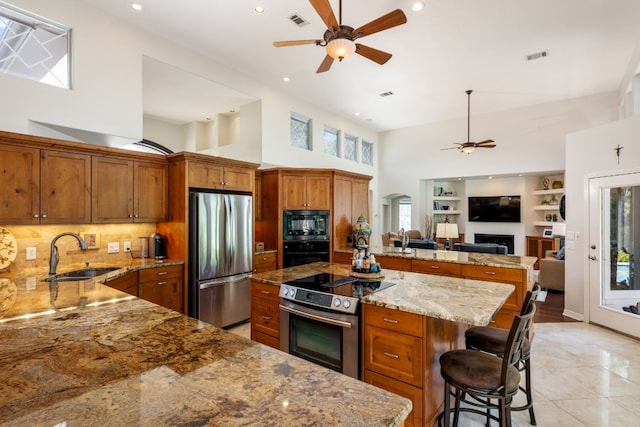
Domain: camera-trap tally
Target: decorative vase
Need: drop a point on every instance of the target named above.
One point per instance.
(361, 232)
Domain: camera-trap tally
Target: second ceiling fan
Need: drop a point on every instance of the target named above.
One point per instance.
(469, 147)
(339, 39)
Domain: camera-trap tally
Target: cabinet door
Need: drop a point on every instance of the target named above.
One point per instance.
(402, 389)
(294, 192)
(359, 200)
(342, 213)
(150, 192)
(393, 354)
(20, 189)
(239, 179)
(112, 190)
(65, 188)
(127, 283)
(204, 175)
(165, 292)
(318, 190)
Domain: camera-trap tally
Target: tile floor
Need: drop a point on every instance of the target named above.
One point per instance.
(583, 375)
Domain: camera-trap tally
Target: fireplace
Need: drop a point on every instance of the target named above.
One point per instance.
(500, 239)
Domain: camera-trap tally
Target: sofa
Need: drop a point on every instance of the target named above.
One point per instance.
(417, 244)
(551, 274)
(487, 248)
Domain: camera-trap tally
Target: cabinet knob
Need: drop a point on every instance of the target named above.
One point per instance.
(36, 216)
(130, 216)
(44, 215)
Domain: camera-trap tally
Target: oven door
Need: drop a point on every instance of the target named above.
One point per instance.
(326, 338)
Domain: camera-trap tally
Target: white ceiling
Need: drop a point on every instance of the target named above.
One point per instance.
(446, 48)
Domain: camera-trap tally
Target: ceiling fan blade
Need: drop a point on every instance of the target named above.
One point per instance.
(325, 65)
(450, 148)
(373, 54)
(323, 8)
(295, 42)
(486, 141)
(486, 146)
(390, 20)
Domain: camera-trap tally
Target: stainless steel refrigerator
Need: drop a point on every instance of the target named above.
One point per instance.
(220, 257)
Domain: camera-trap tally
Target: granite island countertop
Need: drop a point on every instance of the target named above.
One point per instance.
(97, 356)
(468, 301)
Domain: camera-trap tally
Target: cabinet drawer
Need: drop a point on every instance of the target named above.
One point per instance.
(264, 262)
(495, 274)
(394, 263)
(265, 291)
(265, 317)
(160, 273)
(265, 339)
(398, 356)
(342, 257)
(401, 389)
(167, 293)
(435, 267)
(394, 320)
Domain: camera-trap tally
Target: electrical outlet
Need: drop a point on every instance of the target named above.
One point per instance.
(31, 254)
(113, 247)
(31, 283)
(127, 246)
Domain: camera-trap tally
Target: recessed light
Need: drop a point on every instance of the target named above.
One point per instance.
(357, 113)
(136, 6)
(286, 79)
(417, 6)
(259, 10)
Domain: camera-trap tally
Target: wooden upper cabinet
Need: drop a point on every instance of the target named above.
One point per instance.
(65, 188)
(20, 189)
(350, 200)
(207, 175)
(44, 186)
(128, 191)
(306, 192)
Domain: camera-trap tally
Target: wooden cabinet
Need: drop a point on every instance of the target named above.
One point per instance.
(436, 267)
(218, 177)
(306, 192)
(264, 262)
(537, 246)
(163, 286)
(394, 263)
(265, 314)
(44, 186)
(350, 200)
(127, 283)
(127, 190)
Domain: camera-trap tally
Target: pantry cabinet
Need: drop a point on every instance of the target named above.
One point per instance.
(350, 200)
(127, 190)
(44, 186)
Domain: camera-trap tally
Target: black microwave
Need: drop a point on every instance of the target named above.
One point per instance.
(305, 225)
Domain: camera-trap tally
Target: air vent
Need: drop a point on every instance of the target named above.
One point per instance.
(383, 94)
(298, 20)
(537, 55)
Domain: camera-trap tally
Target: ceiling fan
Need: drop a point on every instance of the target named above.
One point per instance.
(339, 40)
(468, 147)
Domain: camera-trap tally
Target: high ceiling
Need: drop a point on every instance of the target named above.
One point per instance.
(444, 49)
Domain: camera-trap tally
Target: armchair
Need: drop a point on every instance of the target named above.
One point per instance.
(551, 272)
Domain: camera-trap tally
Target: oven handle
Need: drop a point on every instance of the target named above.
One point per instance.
(314, 317)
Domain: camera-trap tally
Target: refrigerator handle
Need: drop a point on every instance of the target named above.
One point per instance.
(229, 230)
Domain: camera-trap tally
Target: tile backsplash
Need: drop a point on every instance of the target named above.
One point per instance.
(40, 236)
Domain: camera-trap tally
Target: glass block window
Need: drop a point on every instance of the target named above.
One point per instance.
(367, 153)
(350, 143)
(34, 48)
(300, 131)
(330, 138)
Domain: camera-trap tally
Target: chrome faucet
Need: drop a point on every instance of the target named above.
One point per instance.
(54, 257)
(404, 239)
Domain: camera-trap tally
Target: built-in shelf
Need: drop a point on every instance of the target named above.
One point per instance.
(446, 198)
(546, 207)
(449, 212)
(549, 191)
(545, 223)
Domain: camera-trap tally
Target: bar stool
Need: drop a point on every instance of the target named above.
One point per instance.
(477, 378)
(493, 340)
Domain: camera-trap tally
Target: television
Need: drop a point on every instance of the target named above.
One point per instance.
(494, 208)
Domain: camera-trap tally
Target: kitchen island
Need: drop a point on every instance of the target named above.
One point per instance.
(86, 354)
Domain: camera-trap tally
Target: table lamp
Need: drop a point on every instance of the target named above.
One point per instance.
(447, 231)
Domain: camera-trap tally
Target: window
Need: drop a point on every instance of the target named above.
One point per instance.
(330, 138)
(34, 48)
(367, 153)
(350, 143)
(404, 213)
(300, 131)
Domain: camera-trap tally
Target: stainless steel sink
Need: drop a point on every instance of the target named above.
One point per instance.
(84, 274)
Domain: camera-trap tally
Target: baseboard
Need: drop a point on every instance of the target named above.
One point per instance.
(573, 315)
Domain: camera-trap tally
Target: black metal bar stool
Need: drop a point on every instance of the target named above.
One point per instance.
(494, 340)
(478, 379)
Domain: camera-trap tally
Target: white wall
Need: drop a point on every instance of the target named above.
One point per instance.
(591, 153)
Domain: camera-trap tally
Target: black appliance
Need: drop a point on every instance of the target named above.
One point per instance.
(494, 208)
(158, 247)
(305, 225)
(304, 252)
(320, 319)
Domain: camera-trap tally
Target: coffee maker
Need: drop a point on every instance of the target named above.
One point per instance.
(158, 246)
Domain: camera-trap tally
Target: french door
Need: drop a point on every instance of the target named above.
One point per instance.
(614, 233)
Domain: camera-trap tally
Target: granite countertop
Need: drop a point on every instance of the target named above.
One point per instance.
(97, 356)
(470, 258)
(449, 298)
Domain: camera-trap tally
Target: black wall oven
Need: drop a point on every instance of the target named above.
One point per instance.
(304, 252)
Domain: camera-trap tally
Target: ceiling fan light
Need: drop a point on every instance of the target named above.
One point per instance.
(340, 48)
(468, 150)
